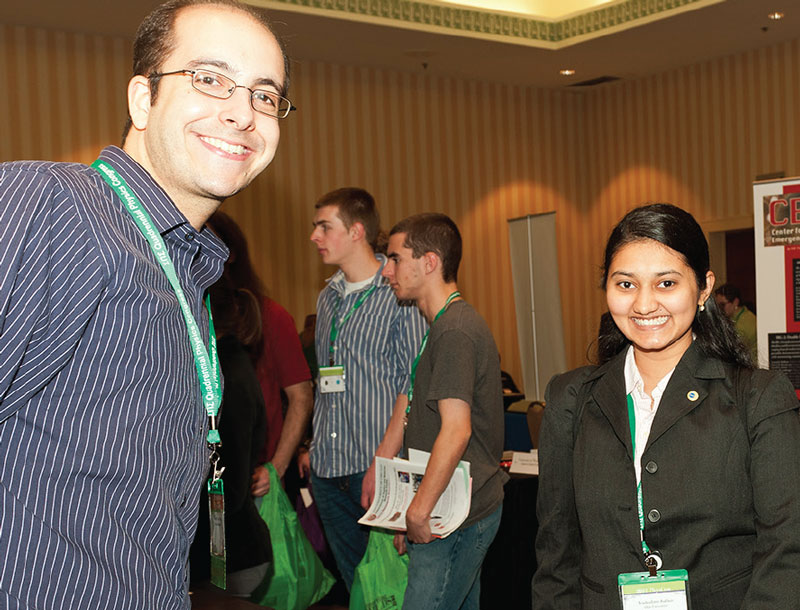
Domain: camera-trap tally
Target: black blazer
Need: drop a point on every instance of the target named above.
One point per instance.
(720, 484)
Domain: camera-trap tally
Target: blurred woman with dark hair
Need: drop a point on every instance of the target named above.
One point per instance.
(673, 453)
(280, 363)
(242, 428)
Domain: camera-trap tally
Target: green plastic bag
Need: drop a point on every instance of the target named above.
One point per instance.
(296, 577)
(381, 576)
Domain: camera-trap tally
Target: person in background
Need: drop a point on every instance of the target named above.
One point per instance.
(455, 412)
(104, 345)
(307, 340)
(366, 342)
(729, 300)
(242, 429)
(280, 363)
(674, 453)
(507, 383)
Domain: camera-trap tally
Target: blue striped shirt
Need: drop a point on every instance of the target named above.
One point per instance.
(376, 346)
(102, 450)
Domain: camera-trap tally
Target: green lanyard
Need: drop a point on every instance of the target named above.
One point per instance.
(413, 376)
(207, 367)
(639, 500)
(335, 328)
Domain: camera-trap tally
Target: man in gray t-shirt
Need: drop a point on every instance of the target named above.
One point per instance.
(455, 412)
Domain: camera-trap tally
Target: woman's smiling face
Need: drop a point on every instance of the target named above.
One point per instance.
(653, 296)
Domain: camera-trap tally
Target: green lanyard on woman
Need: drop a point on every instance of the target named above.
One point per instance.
(652, 559)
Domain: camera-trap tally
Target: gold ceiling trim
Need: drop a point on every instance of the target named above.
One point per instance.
(505, 27)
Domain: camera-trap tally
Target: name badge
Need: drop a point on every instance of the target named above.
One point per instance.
(331, 379)
(667, 590)
(216, 514)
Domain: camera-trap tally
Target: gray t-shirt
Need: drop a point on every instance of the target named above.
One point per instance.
(461, 361)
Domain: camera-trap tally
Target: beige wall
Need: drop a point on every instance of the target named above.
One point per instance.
(477, 151)
(481, 152)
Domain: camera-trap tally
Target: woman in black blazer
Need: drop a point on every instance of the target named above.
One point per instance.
(714, 449)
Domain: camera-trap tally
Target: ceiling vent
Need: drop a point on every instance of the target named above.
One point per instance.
(592, 82)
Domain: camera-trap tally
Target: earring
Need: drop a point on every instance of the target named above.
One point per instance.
(702, 307)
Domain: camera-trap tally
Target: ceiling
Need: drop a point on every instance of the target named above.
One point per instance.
(712, 30)
(534, 8)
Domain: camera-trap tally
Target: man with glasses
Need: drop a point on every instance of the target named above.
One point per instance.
(107, 369)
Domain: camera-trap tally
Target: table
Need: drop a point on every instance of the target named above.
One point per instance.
(511, 559)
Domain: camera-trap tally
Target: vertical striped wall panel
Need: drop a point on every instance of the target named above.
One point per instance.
(482, 152)
(696, 136)
(64, 93)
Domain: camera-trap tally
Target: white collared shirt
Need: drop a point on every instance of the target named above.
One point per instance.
(644, 406)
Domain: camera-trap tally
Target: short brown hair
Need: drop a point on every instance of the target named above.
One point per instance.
(155, 40)
(435, 233)
(730, 292)
(355, 205)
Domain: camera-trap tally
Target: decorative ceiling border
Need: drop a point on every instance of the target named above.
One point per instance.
(416, 14)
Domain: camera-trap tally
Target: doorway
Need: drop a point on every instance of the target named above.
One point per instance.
(733, 260)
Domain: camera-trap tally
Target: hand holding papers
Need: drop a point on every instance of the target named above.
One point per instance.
(396, 482)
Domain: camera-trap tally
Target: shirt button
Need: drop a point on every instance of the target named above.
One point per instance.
(651, 467)
(189, 236)
(333, 434)
(653, 516)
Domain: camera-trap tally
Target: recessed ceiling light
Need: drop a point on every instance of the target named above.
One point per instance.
(566, 72)
(776, 15)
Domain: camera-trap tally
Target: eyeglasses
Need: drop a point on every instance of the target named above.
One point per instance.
(222, 87)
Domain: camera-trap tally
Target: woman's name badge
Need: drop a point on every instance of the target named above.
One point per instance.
(331, 379)
(667, 590)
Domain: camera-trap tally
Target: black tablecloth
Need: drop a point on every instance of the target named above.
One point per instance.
(511, 560)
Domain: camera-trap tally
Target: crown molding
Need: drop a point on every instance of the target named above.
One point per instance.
(503, 27)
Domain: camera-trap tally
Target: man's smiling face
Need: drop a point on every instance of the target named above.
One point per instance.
(199, 147)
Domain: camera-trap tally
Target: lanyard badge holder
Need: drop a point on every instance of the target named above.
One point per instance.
(206, 361)
(654, 589)
(332, 377)
(667, 590)
(216, 515)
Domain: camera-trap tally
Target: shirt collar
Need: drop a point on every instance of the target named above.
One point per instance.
(337, 281)
(634, 381)
(165, 214)
(162, 210)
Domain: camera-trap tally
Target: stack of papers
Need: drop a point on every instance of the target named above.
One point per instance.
(396, 482)
(525, 463)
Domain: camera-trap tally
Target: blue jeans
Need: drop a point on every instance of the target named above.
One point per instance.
(445, 574)
(339, 503)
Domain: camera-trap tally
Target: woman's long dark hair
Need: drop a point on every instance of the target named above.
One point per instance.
(238, 267)
(236, 313)
(236, 297)
(678, 230)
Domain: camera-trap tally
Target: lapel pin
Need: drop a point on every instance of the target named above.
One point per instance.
(692, 395)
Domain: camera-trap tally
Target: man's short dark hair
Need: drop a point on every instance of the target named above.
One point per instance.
(155, 40)
(435, 233)
(730, 292)
(355, 205)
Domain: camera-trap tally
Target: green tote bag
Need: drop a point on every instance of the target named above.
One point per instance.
(296, 578)
(381, 576)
